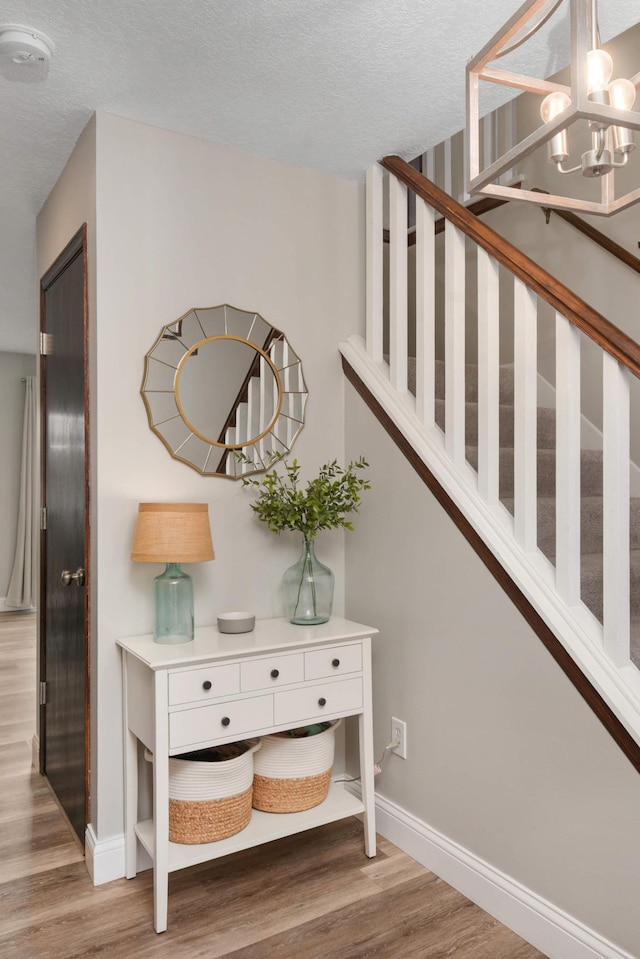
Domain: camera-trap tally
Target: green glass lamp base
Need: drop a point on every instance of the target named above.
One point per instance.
(173, 606)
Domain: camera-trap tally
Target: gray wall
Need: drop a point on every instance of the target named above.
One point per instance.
(13, 366)
(505, 758)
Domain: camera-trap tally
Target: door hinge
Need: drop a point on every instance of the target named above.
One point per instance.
(43, 517)
(43, 694)
(46, 344)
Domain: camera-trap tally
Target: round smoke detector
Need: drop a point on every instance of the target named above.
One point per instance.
(25, 53)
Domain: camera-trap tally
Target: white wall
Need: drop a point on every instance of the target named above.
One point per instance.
(13, 366)
(505, 758)
(183, 223)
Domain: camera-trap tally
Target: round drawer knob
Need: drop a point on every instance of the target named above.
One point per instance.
(225, 720)
(335, 663)
(275, 673)
(207, 684)
(322, 701)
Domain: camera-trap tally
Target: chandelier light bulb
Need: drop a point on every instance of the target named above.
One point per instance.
(554, 104)
(622, 94)
(599, 71)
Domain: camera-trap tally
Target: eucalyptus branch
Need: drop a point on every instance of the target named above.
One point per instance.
(324, 503)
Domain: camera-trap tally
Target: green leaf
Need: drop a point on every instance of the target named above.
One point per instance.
(324, 504)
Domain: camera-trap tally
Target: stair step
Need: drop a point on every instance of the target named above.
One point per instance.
(592, 583)
(591, 525)
(471, 379)
(546, 418)
(635, 640)
(590, 471)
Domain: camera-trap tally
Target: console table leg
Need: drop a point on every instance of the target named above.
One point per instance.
(131, 803)
(367, 757)
(161, 807)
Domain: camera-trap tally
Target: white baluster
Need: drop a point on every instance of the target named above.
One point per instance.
(398, 314)
(374, 267)
(264, 415)
(615, 381)
(488, 378)
(525, 416)
(253, 402)
(276, 357)
(455, 307)
(425, 312)
(567, 461)
(429, 165)
(448, 166)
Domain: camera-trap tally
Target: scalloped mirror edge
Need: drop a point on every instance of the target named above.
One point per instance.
(244, 409)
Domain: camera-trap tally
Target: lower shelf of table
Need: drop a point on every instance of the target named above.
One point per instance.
(264, 827)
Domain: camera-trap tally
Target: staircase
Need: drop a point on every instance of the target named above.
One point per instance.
(591, 500)
(554, 523)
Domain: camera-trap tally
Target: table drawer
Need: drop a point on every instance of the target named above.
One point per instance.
(228, 721)
(271, 671)
(311, 702)
(332, 661)
(209, 682)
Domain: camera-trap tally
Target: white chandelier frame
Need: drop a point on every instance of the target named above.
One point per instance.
(581, 108)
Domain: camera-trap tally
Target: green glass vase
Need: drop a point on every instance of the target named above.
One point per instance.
(308, 588)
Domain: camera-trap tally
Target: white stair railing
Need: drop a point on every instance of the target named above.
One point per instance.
(601, 649)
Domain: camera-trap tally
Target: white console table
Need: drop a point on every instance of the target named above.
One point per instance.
(221, 688)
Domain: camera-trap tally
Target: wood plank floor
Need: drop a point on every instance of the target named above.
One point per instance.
(312, 896)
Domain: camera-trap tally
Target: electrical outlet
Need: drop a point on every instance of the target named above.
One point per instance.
(399, 735)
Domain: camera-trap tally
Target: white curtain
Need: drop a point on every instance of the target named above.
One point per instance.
(23, 586)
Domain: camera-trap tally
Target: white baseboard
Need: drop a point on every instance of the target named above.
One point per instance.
(35, 752)
(104, 859)
(552, 931)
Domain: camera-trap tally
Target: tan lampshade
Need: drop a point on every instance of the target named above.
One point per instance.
(172, 533)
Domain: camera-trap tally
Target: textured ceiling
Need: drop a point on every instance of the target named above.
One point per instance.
(332, 85)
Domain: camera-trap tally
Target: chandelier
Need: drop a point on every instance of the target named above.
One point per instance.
(587, 126)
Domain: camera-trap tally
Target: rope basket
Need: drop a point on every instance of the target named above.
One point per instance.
(293, 774)
(211, 800)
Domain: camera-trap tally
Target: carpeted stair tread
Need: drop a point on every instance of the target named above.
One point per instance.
(590, 471)
(591, 579)
(591, 528)
(635, 640)
(546, 424)
(506, 380)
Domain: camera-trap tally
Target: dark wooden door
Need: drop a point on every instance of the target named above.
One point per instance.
(64, 543)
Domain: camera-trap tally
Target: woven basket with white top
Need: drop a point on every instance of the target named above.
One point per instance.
(209, 801)
(291, 774)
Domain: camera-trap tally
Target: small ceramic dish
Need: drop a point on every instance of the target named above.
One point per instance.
(236, 622)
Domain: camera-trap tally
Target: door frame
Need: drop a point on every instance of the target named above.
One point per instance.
(77, 246)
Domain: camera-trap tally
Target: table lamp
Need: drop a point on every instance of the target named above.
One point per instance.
(172, 533)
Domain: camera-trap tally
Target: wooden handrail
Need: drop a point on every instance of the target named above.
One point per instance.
(608, 336)
(603, 241)
(479, 208)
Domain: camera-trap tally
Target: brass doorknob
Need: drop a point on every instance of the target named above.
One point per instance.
(67, 577)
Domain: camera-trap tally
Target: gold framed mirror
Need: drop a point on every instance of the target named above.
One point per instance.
(224, 391)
